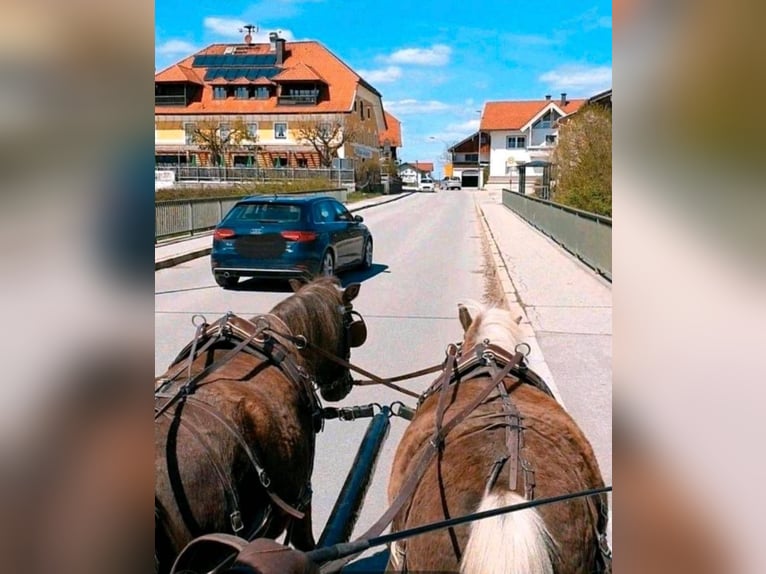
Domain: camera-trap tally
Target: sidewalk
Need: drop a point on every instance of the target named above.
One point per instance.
(177, 251)
(566, 309)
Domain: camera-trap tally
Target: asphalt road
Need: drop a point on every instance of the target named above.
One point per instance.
(428, 257)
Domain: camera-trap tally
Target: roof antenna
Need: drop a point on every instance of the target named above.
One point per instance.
(249, 36)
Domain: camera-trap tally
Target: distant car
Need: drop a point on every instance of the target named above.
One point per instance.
(288, 236)
(453, 183)
(426, 184)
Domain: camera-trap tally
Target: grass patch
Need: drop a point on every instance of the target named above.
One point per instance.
(245, 189)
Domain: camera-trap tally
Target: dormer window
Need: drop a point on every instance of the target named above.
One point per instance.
(219, 92)
(242, 93)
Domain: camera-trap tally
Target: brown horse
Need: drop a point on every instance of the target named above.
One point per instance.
(472, 472)
(235, 430)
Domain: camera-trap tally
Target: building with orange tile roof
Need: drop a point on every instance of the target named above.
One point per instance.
(512, 133)
(520, 132)
(273, 89)
(391, 138)
(412, 173)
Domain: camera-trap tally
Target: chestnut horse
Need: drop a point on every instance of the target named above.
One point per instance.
(472, 472)
(235, 430)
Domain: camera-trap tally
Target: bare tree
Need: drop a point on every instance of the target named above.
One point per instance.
(583, 158)
(218, 137)
(326, 137)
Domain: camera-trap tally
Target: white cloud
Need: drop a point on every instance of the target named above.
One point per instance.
(175, 48)
(580, 78)
(436, 55)
(233, 29)
(404, 107)
(383, 75)
(227, 27)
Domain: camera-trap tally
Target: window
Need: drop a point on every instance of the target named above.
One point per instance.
(368, 113)
(323, 212)
(472, 157)
(550, 139)
(189, 134)
(341, 213)
(219, 93)
(324, 129)
(302, 162)
(261, 93)
(242, 93)
(280, 131)
(224, 131)
(515, 142)
(252, 132)
(280, 161)
(361, 110)
(354, 105)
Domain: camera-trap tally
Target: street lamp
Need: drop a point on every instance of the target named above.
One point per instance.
(446, 147)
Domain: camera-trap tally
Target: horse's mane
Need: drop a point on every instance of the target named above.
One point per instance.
(313, 311)
(493, 323)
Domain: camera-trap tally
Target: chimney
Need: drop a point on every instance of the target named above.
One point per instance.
(547, 97)
(563, 98)
(277, 46)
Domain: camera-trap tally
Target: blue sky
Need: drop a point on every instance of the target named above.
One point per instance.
(434, 61)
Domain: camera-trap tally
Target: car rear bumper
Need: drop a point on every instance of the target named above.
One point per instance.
(263, 273)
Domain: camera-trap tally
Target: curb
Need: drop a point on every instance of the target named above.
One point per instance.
(178, 259)
(513, 304)
(183, 258)
(397, 198)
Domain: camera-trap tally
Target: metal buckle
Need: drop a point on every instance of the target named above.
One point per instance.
(236, 522)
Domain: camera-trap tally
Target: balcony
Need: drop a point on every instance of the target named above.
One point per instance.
(169, 100)
(298, 99)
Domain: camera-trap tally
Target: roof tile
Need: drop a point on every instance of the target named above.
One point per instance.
(513, 115)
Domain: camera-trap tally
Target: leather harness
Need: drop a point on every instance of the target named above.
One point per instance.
(255, 339)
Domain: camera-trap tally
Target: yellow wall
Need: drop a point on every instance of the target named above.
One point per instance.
(169, 136)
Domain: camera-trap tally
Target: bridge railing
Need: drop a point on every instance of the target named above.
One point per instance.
(586, 235)
(182, 217)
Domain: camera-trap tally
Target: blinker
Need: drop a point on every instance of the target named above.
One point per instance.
(357, 330)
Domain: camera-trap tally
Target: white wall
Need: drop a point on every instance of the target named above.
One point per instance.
(499, 155)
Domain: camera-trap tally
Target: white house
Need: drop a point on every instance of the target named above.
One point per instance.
(520, 132)
(413, 173)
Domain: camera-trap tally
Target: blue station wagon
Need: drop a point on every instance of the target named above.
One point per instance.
(288, 236)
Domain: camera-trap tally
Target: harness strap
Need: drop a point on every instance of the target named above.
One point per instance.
(190, 385)
(343, 363)
(228, 487)
(263, 477)
(427, 454)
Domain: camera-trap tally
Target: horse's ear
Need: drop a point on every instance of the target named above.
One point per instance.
(296, 285)
(350, 293)
(465, 316)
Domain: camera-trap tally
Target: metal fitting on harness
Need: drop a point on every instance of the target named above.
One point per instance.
(350, 413)
(236, 521)
(405, 412)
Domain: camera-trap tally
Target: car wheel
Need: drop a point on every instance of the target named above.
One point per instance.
(367, 255)
(226, 282)
(327, 269)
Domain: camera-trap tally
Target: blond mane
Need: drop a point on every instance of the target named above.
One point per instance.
(496, 324)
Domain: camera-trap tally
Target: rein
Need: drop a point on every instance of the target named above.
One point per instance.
(343, 550)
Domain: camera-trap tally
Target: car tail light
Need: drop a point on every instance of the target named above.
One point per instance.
(299, 235)
(223, 233)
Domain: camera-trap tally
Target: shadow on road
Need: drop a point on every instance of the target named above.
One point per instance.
(359, 276)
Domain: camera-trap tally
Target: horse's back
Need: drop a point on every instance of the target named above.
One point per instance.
(454, 485)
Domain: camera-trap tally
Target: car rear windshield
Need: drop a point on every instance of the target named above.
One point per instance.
(265, 213)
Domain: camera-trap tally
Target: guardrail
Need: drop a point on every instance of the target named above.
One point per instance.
(182, 217)
(242, 173)
(586, 235)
